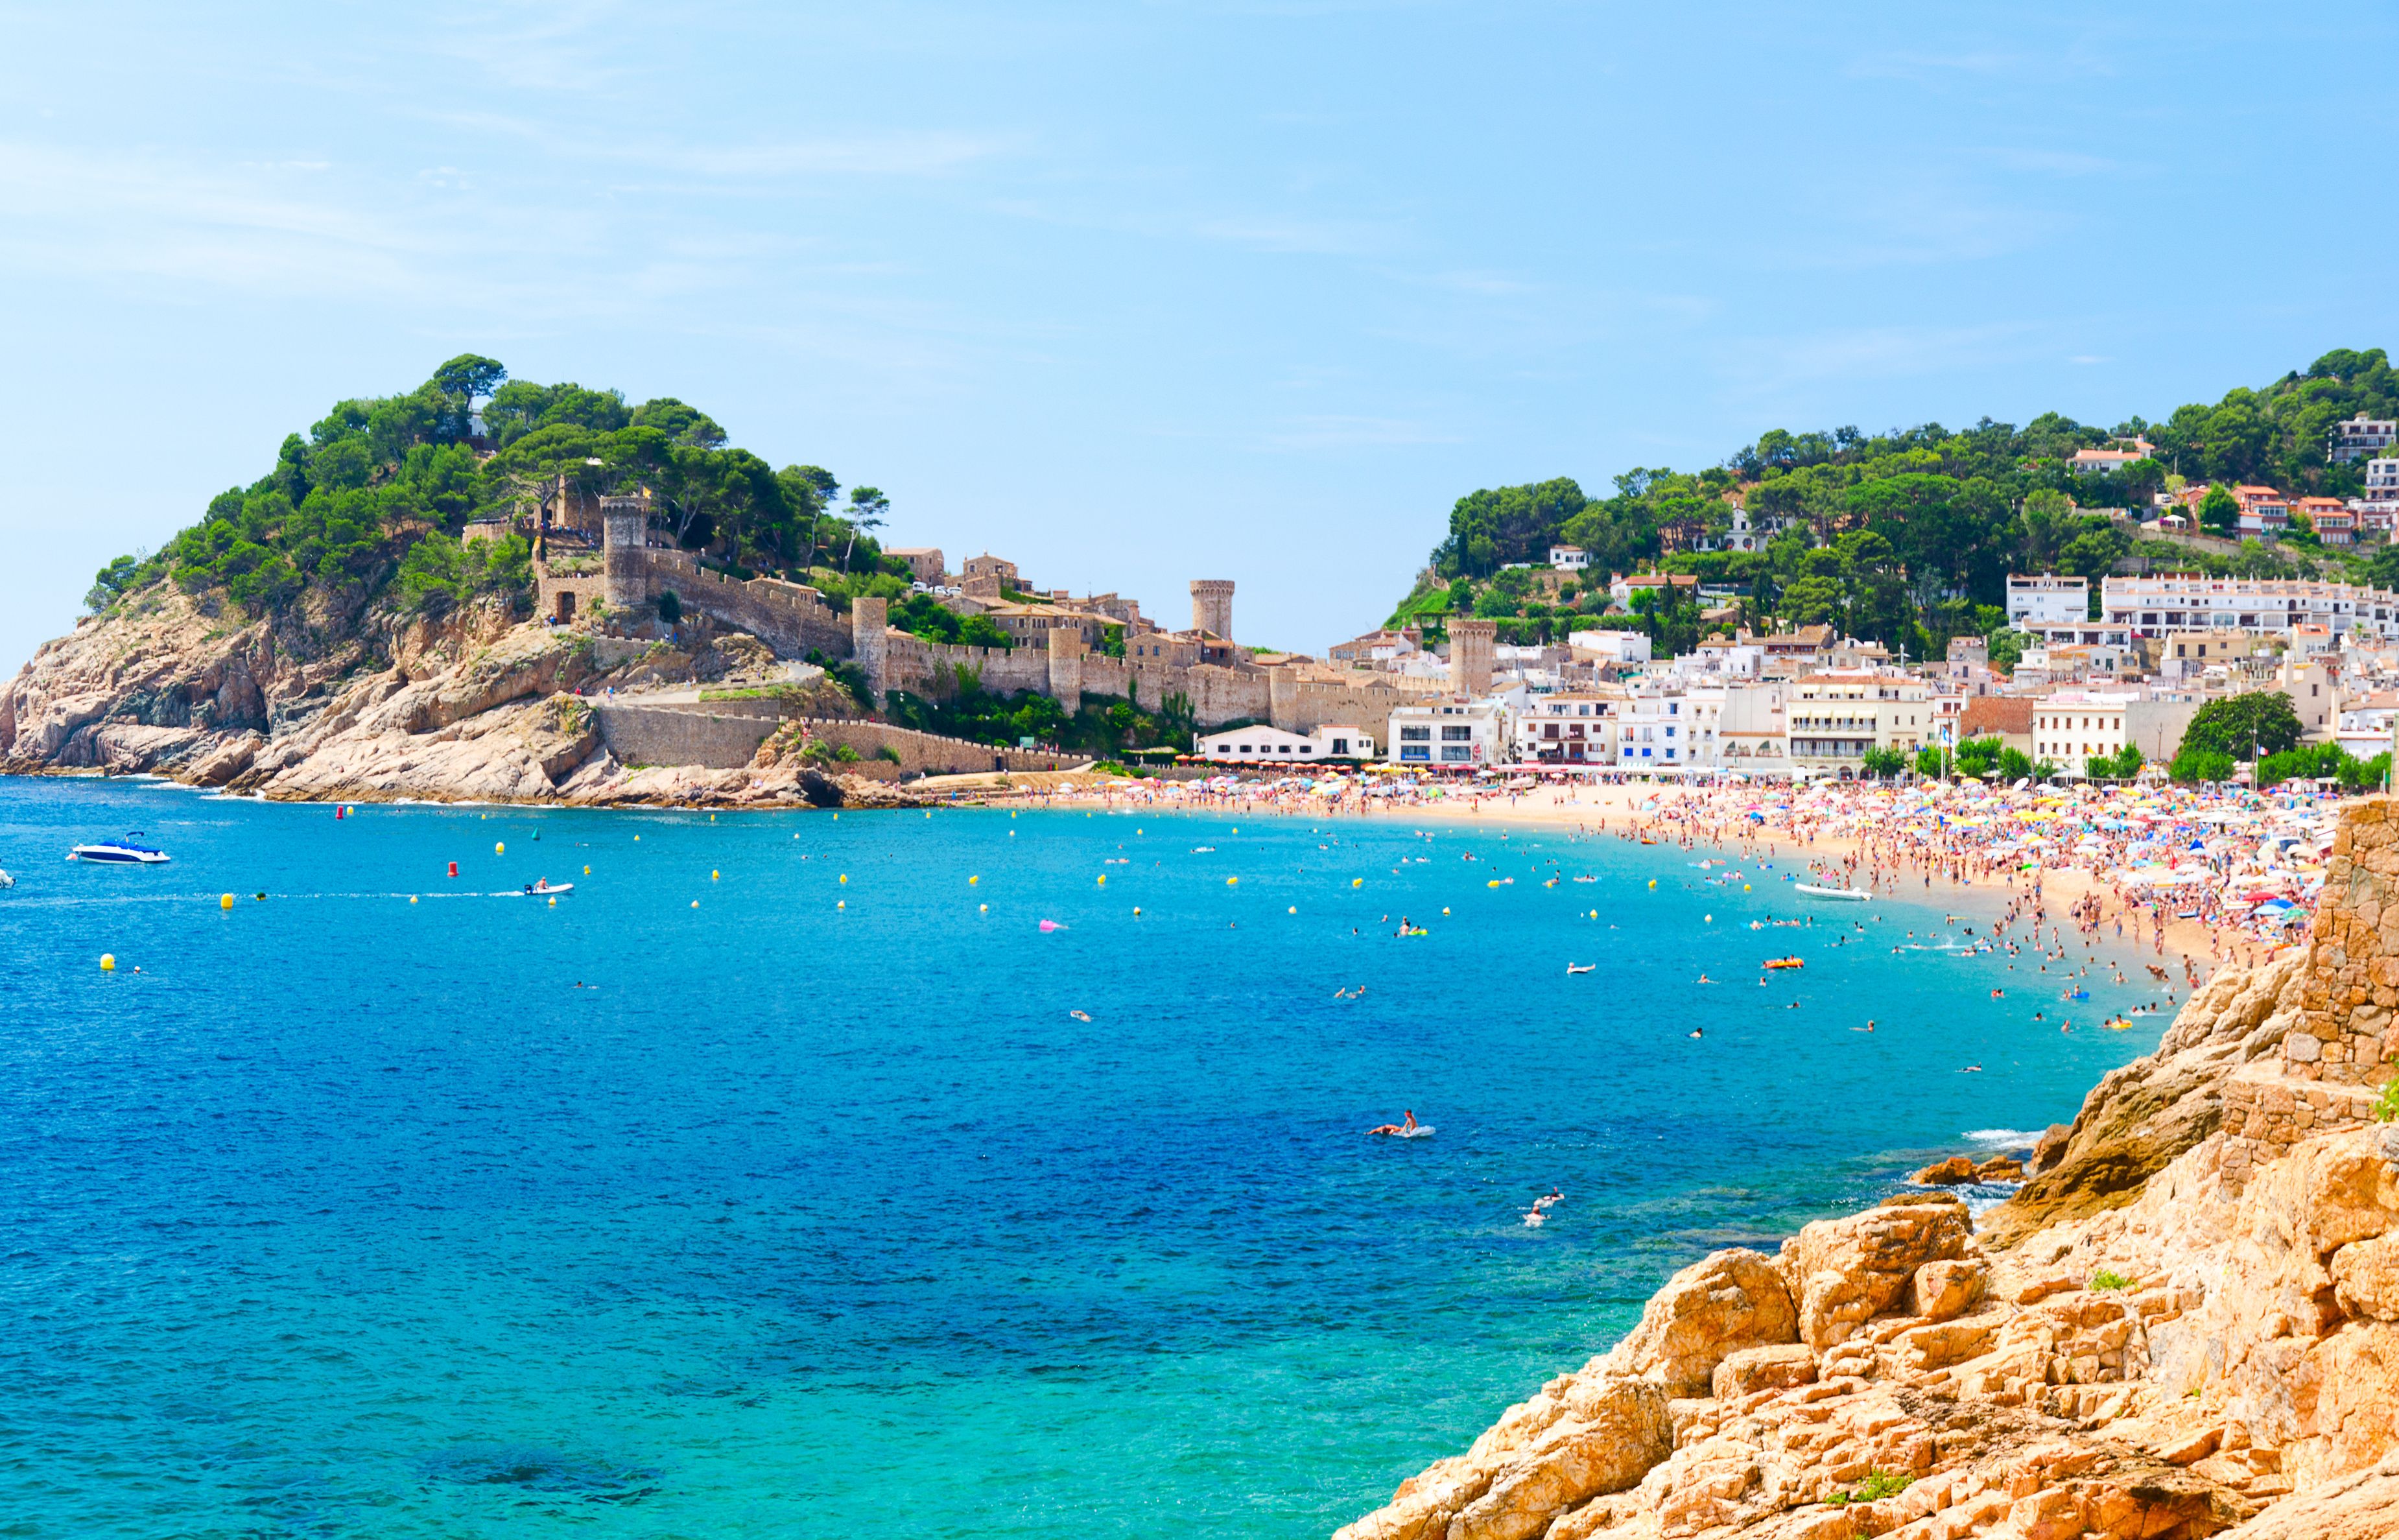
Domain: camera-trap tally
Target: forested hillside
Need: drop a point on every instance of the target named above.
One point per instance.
(368, 506)
(1907, 537)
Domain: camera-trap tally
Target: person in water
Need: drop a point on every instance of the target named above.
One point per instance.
(1695, 1031)
(1402, 1130)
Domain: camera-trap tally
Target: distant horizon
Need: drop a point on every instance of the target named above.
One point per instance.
(1192, 290)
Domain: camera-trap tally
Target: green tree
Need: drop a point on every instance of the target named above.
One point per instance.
(1928, 761)
(2230, 726)
(2220, 511)
(1884, 763)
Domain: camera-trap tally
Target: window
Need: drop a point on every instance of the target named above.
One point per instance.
(1340, 746)
(1415, 751)
(1283, 749)
(1453, 752)
(1415, 734)
(1457, 735)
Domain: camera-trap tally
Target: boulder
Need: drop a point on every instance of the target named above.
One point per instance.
(1941, 1291)
(2365, 1278)
(1847, 1271)
(1616, 1428)
(2000, 1168)
(1946, 1173)
(1731, 1300)
(1754, 1369)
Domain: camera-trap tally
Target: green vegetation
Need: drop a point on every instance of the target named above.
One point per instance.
(372, 501)
(2319, 760)
(2225, 731)
(2108, 1279)
(671, 607)
(922, 614)
(1884, 763)
(2122, 766)
(1103, 726)
(1878, 1485)
(1906, 538)
(2386, 1104)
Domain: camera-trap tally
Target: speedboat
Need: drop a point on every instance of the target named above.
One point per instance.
(119, 852)
(544, 886)
(1814, 892)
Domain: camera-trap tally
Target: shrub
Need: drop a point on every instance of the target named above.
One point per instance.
(1878, 1485)
(2108, 1279)
(671, 607)
(885, 751)
(2386, 1106)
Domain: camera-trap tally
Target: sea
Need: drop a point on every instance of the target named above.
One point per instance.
(985, 1173)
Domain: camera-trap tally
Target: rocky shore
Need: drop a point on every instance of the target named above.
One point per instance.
(323, 706)
(2186, 1323)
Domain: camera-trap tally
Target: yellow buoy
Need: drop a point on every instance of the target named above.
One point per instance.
(1136, 912)
(226, 902)
(1357, 881)
(841, 903)
(713, 875)
(1493, 882)
(1012, 833)
(982, 908)
(553, 903)
(586, 871)
(412, 898)
(1292, 910)
(1232, 882)
(1653, 882)
(844, 878)
(108, 962)
(694, 903)
(712, 817)
(637, 839)
(1104, 881)
(501, 848)
(1707, 919)
(837, 816)
(1444, 908)
(1744, 887)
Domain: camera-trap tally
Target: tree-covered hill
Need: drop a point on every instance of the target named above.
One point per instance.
(369, 504)
(1907, 537)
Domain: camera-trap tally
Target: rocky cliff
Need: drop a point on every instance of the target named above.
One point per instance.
(2185, 1324)
(362, 706)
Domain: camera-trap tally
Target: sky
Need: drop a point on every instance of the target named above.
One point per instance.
(1140, 294)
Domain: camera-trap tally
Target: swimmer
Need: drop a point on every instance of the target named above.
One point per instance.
(1694, 1031)
(1999, 994)
(1535, 1220)
(1705, 979)
(1972, 1069)
(1550, 1199)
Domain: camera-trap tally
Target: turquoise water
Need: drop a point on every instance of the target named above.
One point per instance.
(346, 1216)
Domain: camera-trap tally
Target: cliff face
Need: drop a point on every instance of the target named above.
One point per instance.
(359, 708)
(2186, 1325)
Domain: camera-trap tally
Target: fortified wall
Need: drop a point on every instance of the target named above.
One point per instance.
(726, 735)
(794, 619)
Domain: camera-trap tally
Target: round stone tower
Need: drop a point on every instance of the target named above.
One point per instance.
(1212, 607)
(1469, 655)
(1066, 651)
(625, 539)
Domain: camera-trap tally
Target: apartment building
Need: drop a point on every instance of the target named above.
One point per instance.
(2048, 598)
(1837, 715)
(1571, 727)
(2072, 726)
(2362, 436)
(2156, 605)
(1451, 734)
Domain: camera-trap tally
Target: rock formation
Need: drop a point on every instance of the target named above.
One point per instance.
(341, 706)
(2185, 1324)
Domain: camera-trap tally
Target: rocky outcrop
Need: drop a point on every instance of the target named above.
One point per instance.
(342, 706)
(2185, 1324)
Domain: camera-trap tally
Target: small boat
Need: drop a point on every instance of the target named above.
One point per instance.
(7, 881)
(1580, 968)
(1858, 894)
(1773, 963)
(119, 852)
(545, 888)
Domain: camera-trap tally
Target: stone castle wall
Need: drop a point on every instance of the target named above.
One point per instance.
(667, 735)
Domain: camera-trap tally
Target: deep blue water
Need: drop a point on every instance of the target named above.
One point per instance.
(351, 1216)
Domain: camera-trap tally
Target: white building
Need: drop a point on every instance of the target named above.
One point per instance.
(2178, 602)
(1572, 727)
(1451, 734)
(1837, 715)
(2070, 727)
(1263, 745)
(2048, 598)
(1607, 646)
(1569, 559)
(2362, 434)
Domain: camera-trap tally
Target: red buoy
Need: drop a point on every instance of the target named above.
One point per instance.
(453, 868)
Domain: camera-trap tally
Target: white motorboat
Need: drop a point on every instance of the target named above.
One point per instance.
(7, 881)
(546, 888)
(1858, 894)
(122, 852)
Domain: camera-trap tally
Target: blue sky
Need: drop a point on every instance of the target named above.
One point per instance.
(1139, 294)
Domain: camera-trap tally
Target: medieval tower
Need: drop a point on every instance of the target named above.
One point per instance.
(625, 523)
(1212, 607)
(1469, 655)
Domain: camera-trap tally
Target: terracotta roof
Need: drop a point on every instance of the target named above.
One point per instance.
(2010, 715)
